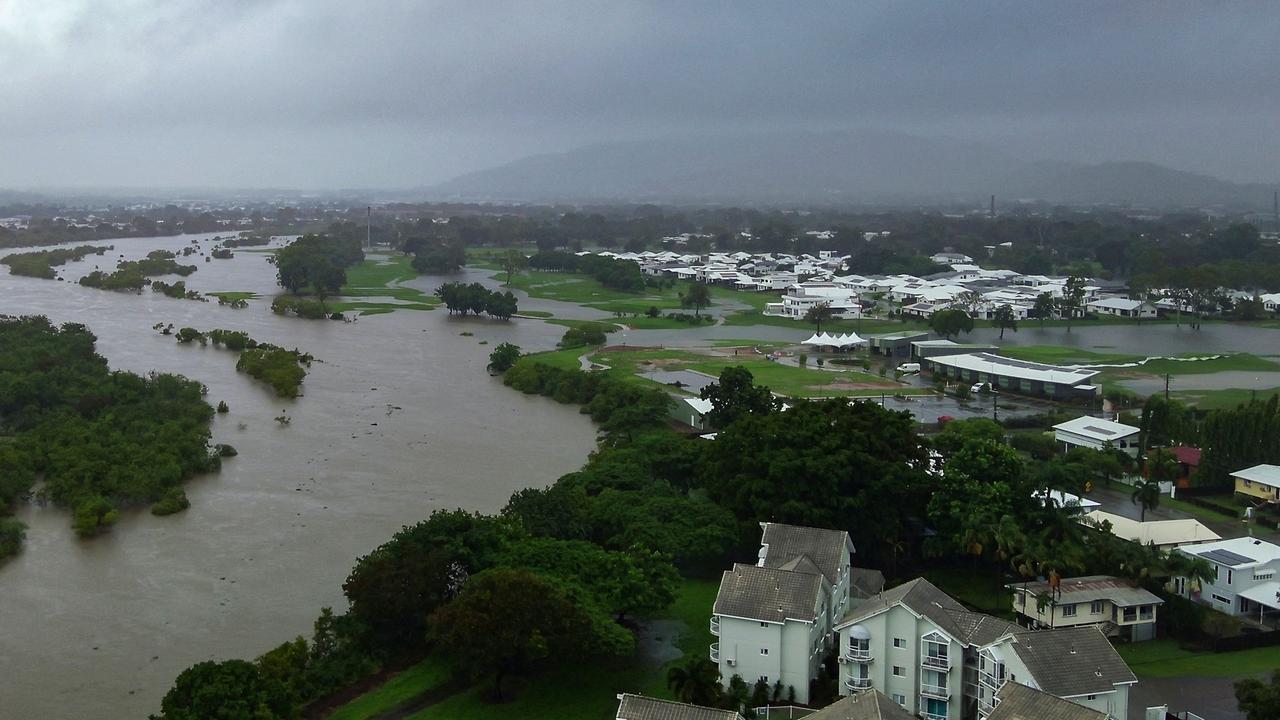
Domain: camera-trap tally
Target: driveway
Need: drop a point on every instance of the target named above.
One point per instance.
(1212, 698)
(1117, 499)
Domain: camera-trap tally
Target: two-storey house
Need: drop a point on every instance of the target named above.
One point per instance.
(1245, 577)
(1077, 664)
(1116, 606)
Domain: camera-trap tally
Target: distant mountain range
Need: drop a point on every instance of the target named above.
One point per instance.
(855, 167)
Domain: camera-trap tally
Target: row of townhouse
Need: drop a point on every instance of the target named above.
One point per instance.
(940, 661)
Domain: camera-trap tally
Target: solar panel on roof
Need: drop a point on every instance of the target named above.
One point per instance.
(1226, 557)
(1100, 431)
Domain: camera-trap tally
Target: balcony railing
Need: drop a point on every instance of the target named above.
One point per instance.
(858, 684)
(715, 626)
(939, 692)
(932, 716)
(857, 654)
(715, 652)
(990, 680)
(936, 662)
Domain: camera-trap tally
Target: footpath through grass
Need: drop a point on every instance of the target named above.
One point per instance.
(1164, 659)
(408, 684)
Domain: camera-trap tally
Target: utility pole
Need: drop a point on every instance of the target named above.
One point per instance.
(993, 207)
(368, 227)
(1166, 387)
(995, 408)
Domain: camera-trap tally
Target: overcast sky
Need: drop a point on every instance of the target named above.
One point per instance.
(342, 94)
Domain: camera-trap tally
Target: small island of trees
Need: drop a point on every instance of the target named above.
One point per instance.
(98, 439)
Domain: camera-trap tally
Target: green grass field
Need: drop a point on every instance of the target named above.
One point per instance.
(1223, 399)
(585, 691)
(1060, 355)
(408, 684)
(782, 379)
(380, 277)
(1163, 658)
(979, 588)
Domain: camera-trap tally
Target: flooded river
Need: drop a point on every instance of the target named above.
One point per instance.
(398, 419)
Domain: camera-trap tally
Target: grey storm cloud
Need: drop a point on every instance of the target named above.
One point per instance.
(328, 93)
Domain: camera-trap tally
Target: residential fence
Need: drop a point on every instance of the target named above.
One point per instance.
(782, 712)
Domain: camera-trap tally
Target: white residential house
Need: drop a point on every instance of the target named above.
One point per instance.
(1095, 433)
(1245, 577)
(1122, 307)
(800, 298)
(773, 620)
(1163, 534)
(1076, 664)
(950, 258)
(1116, 606)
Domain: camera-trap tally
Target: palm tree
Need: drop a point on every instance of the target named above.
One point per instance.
(1147, 495)
(697, 682)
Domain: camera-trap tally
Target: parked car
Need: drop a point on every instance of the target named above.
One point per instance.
(979, 388)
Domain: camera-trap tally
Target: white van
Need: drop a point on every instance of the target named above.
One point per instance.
(908, 368)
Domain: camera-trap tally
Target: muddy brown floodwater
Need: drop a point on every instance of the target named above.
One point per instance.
(398, 419)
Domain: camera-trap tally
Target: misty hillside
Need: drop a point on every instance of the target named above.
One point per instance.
(837, 167)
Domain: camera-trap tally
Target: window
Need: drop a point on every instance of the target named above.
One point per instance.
(899, 642)
(1228, 576)
(764, 624)
(1144, 612)
(899, 671)
(764, 678)
(1215, 573)
(1130, 614)
(1264, 575)
(1069, 610)
(1093, 697)
(764, 651)
(900, 699)
(1096, 607)
(1221, 599)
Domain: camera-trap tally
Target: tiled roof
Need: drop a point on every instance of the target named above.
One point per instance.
(1019, 702)
(952, 618)
(864, 583)
(825, 548)
(873, 705)
(638, 707)
(768, 594)
(1072, 661)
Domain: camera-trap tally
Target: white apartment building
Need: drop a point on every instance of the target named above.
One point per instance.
(773, 620)
(1077, 664)
(770, 626)
(924, 650)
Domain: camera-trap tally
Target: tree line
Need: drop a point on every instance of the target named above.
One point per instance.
(40, 264)
(474, 298)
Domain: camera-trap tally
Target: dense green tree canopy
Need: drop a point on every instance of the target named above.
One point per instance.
(317, 263)
(734, 395)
